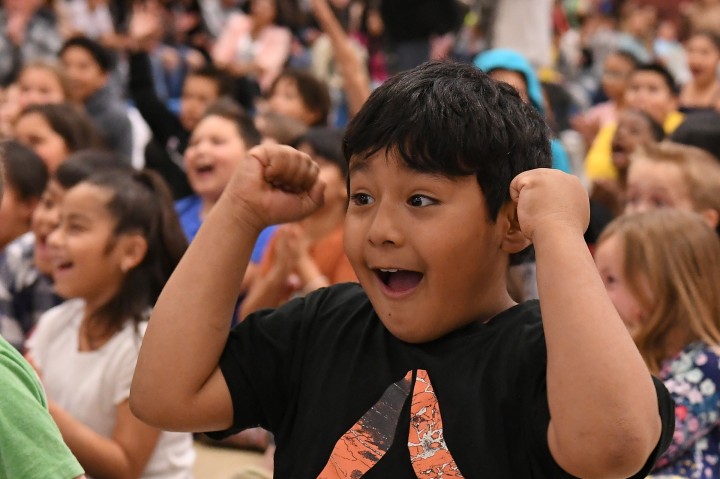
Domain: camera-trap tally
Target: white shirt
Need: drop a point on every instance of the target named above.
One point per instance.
(89, 385)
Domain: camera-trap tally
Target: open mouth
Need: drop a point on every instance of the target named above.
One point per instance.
(63, 266)
(204, 170)
(398, 280)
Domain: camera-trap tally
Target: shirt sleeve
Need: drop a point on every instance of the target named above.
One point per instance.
(259, 363)
(31, 446)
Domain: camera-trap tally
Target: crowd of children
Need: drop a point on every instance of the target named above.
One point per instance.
(272, 222)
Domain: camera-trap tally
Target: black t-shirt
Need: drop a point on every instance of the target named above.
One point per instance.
(328, 379)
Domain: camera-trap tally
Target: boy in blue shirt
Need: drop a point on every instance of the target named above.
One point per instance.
(427, 368)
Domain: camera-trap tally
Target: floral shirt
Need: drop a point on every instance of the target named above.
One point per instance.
(693, 379)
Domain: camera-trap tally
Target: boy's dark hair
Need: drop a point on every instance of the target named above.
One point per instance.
(222, 80)
(82, 164)
(313, 91)
(326, 142)
(228, 109)
(660, 69)
(141, 203)
(100, 54)
(71, 123)
(25, 172)
(452, 119)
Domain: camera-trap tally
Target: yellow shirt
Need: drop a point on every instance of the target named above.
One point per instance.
(598, 161)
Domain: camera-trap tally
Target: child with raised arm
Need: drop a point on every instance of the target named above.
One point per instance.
(427, 367)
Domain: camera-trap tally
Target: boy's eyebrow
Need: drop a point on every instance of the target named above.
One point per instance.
(357, 166)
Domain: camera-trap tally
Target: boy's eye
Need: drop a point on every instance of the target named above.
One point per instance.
(421, 200)
(361, 199)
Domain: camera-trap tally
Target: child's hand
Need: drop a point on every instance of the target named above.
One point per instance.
(548, 200)
(275, 184)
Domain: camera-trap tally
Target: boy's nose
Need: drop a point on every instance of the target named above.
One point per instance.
(385, 227)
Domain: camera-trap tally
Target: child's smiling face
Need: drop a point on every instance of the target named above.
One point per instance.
(423, 248)
(215, 149)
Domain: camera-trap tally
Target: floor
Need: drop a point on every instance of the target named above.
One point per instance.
(224, 463)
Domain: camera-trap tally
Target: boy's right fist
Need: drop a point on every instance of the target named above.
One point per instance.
(550, 200)
(275, 184)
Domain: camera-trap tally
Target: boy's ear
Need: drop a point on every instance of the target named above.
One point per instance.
(514, 240)
(132, 249)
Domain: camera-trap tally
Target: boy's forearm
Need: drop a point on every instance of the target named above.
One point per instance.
(191, 319)
(599, 389)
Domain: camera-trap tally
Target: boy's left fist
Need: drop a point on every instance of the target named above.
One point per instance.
(550, 200)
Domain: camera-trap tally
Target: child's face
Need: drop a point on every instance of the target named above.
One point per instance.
(647, 91)
(609, 258)
(198, 93)
(85, 75)
(423, 249)
(34, 131)
(615, 76)
(656, 184)
(214, 151)
(86, 257)
(15, 215)
(633, 130)
(45, 219)
(38, 86)
(703, 57)
(286, 100)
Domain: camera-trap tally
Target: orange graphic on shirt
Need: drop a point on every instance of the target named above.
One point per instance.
(362, 446)
(429, 454)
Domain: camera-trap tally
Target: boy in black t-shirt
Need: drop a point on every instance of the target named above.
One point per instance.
(427, 368)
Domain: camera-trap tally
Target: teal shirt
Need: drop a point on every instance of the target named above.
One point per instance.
(31, 446)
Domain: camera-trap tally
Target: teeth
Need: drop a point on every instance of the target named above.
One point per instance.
(389, 270)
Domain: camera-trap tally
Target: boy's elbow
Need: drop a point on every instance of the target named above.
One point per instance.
(621, 454)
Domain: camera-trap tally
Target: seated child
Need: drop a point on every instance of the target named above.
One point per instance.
(652, 89)
(38, 82)
(30, 444)
(170, 132)
(669, 175)
(617, 67)
(702, 92)
(24, 176)
(701, 129)
(54, 131)
(662, 271)
(426, 368)
(513, 68)
(117, 242)
(26, 288)
(304, 256)
(634, 130)
(299, 95)
(88, 66)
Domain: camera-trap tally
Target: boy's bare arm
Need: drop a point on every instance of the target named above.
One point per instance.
(603, 406)
(178, 384)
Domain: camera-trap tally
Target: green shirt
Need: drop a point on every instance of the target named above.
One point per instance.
(30, 443)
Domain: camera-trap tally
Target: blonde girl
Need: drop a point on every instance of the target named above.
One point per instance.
(662, 271)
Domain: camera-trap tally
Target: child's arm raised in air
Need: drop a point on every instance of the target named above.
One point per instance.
(603, 405)
(178, 384)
